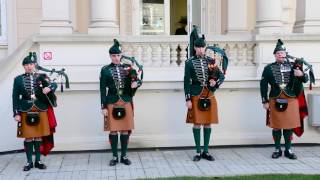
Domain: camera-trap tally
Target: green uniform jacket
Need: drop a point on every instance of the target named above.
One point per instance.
(21, 94)
(109, 92)
(292, 89)
(192, 85)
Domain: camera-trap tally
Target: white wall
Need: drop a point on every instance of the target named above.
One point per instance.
(3, 51)
(159, 121)
(159, 104)
(8, 125)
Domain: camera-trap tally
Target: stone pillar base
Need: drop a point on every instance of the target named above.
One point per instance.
(272, 27)
(56, 27)
(104, 28)
(310, 27)
(104, 31)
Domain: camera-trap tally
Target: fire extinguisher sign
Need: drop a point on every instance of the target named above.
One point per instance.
(47, 55)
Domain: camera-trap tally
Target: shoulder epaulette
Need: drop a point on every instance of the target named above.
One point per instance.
(270, 64)
(190, 59)
(18, 76)
(104, 67)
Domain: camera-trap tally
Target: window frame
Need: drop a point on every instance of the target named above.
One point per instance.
(3, 36)
(137, 15)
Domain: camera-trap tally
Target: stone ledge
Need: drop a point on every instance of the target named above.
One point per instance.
(288, 37)
(178, 85)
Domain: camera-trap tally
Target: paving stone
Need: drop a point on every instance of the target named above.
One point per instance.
(162, 163)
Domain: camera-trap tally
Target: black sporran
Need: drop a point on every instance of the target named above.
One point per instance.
(204, 104)
(118, 112)
(33, 118)
(281, 104)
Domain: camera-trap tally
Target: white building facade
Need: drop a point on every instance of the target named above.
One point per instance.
(78, 34)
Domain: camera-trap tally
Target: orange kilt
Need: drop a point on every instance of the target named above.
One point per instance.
(39, 130)
(124, 124)
(287, 119)
(196, 116)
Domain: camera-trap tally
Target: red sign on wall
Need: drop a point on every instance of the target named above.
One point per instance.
(47, 55)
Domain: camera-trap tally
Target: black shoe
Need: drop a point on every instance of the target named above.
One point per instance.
(197, 157)
(289, 154)
(40, 165)
(276, 154)
(207, 156)
(125, 160)
(28, 166)
(114, 161)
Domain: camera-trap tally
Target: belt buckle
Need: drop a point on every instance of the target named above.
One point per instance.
(33, 97)
(282, 85)
(120, 92)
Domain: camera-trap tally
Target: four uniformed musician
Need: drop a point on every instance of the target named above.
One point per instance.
(281, 103)
(202, 78)
(30, 105)
(118, 83)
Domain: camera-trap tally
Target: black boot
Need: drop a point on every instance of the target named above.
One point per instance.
(289, 154)
(114, 161)
(197, 157)
(207, 156)
(125, 160)
(27, 167)
(276, 154)
(40, 165)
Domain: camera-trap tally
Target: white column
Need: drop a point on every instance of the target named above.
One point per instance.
(12, 35)
(307, 16)
(269, 13)
(288, 15)
(104, 17)
(237, 16)
(212, 16)
(56, 17)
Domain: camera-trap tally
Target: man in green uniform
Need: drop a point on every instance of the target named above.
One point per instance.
(282, 104)
(118, 83)
(202, 78)
(30, 105)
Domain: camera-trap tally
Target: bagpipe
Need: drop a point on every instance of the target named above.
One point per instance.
(44, 80)
(133, 73)
(220, 56)
(298, 63)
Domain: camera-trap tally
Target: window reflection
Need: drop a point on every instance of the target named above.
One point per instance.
(0, 19)
(152, 19)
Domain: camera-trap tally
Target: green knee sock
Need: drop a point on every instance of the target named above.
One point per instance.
(277, 138)
(287, 134)
(113, 138)
(196, 135)
(29, 150)
(206, 139)
(37, 145)
(124, 138)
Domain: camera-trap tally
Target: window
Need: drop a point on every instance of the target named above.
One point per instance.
(3, 22)
(153, 18)
(178, 17)
(171, 17)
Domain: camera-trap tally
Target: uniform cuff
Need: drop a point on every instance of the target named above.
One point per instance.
(265, 100)
(218, 83)
(16, 112)
(188, 97)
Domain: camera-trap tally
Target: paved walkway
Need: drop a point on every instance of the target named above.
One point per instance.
(162, 163)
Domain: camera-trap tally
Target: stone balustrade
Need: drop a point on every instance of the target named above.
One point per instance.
(161, 53)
